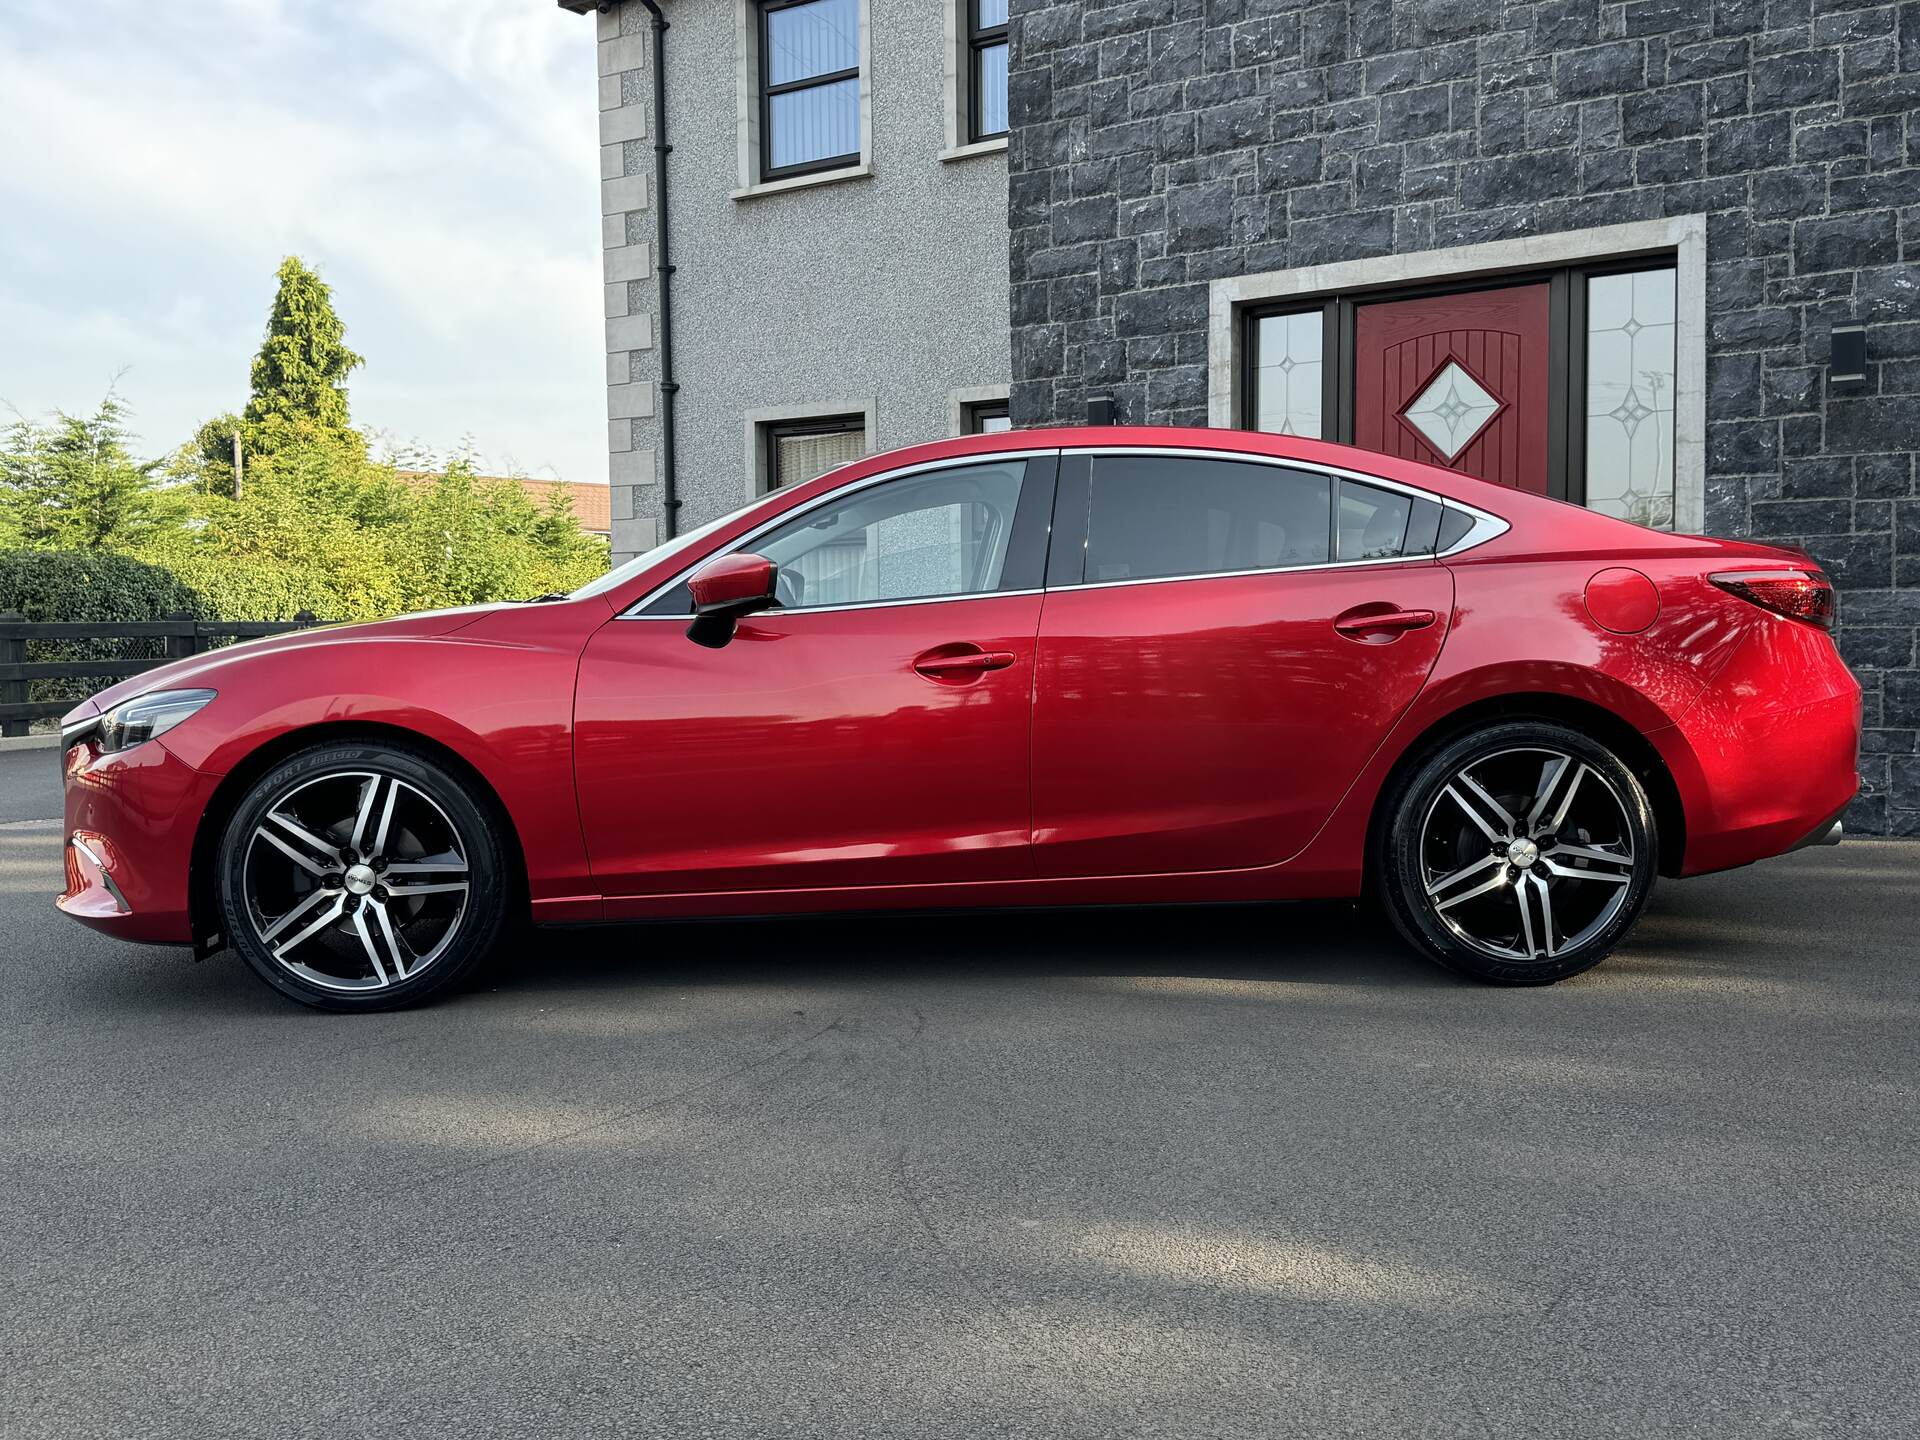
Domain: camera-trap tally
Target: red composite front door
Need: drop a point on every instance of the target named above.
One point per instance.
(1457, 380)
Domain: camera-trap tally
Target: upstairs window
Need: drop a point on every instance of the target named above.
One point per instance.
(809, 86)
(987, 59)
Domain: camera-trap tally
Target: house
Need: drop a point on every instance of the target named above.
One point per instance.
(833, 222)
(592, 505)
(1660, 258)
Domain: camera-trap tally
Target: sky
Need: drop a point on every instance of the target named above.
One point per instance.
(435, 160)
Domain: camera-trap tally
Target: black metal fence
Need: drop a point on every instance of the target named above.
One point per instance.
(40, 662)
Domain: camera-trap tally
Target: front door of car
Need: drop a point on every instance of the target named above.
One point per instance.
(872, 730)
(1235, 642)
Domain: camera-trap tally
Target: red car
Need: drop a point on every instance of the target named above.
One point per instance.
(1067, 667)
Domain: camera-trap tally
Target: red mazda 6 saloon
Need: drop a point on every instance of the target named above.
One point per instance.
(1067, 667)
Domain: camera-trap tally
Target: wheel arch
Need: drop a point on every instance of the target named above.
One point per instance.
(203, 904)
(1588, 717)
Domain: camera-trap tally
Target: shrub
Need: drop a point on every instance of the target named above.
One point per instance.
(80, 585)
(89, 585)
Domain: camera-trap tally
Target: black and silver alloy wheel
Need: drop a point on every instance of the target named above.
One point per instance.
(1513, 831)
(355, 881)
(361, 877)
(1521, 854)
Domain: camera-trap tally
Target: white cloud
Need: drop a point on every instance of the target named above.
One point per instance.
(436, 160)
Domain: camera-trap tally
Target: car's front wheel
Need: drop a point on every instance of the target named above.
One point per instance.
(1518, 854)
(362, 877)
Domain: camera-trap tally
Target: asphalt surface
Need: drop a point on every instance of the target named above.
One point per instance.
(1176, 1173)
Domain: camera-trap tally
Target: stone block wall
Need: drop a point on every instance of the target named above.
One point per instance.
(1159, 144)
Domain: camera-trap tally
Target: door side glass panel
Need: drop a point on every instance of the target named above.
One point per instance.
(1288, 397)
(1630, 393)
(944, 533)
(1155, 516)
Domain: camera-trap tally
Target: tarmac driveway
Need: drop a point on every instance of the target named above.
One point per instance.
(1180, 1173)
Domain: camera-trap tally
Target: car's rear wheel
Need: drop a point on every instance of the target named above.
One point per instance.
(362, 877)
(1518, 854)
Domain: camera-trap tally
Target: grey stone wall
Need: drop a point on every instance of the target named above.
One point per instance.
(1159, 144)
(880, 295)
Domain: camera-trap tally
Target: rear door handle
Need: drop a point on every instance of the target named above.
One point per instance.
(952, 660)
(1360, 623)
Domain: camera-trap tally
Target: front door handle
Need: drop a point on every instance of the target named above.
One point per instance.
(957, 662)
(1359, 623)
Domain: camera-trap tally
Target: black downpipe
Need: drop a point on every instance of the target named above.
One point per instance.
(663, 275)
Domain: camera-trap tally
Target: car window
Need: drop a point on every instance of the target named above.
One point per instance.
(1375, 524)
(1152, 516)
(1454, 526)
(944, 533)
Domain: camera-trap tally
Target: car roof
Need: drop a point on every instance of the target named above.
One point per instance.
(1260, 444)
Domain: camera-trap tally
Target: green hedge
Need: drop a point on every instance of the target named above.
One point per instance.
(81, 586)
(77, 585)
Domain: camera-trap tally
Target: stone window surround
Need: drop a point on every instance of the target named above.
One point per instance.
(959, 400)
(1685, 236)
(957, 74)
(758, 421)
(746, 77)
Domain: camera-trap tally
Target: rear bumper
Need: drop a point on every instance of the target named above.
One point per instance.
(1767, 762)
(130, 823)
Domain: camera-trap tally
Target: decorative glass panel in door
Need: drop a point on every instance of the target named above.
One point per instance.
(1630, 375)
(1458, 380)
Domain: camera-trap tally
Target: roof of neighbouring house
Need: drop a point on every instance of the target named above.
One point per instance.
(592, 504)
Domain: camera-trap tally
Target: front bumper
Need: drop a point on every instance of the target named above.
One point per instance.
(130, 824)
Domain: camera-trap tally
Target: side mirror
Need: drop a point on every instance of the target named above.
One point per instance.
(723, 591)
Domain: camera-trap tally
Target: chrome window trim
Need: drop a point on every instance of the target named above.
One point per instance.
(1486, 525)
(865, 605)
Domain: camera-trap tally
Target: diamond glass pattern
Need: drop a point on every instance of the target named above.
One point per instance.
(1451, 411)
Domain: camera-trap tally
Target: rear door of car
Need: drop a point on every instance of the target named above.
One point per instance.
(1219, 653)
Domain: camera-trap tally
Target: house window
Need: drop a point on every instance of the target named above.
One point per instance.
(1629, 395)
(809, 85)
(1288, 373)
(797, 451)
(1561, 383)
(987, 417)
(987, 60)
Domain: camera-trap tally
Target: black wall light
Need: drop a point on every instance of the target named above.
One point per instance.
(1847, 359)
(1100, 410)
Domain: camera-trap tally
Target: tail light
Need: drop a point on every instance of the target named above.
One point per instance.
(1797, 594)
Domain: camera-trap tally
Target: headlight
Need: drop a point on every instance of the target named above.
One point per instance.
(145, 716)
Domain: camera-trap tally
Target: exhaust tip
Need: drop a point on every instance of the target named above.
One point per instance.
(1826, 835)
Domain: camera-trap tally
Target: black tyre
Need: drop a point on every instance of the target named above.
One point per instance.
(1518, 854)
(362, 876)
